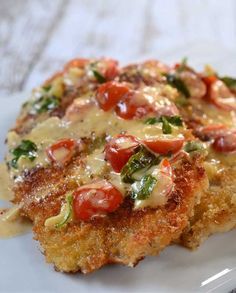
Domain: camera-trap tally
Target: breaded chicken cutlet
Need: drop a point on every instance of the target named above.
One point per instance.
(105, 167)
(207, 103)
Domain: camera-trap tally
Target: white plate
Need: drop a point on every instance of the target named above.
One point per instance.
(212, 268)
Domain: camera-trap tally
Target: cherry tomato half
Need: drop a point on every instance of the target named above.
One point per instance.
(111, 70)
(219, 94)
(119, 150)
(62, 151)
(110, 93)
(213, 130)
(225, 143)
(164, 146)
(96, 199)
(134, 105)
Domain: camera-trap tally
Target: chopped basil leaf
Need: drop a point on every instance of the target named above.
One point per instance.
(47, 87)
(45, 104)
(143, 159)
(193, 146)
(174, 120)
(152, 120)
(229, 81)
(183, 64)
(100, 78)
(27, 149)
(142, 190)
(177, 83)
(166, 127)
(166, 121)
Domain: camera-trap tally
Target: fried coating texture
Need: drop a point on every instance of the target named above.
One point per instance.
(125, 236)
(216, 211)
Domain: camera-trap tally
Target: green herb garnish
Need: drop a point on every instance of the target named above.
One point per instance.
(166, 127)
(175, 120)
(47, 87)
(166, 122)
(143, 159)
(26, 149)
(100, 78)
(193, 146)
(142, 189)
(177, 83)
(45, 104)
(183, 64)
(229, 81)
(152, 120)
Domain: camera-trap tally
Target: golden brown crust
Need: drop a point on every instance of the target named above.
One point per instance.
(216, 211)
(125, 236)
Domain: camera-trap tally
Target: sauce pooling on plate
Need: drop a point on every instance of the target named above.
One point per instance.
(12, 224)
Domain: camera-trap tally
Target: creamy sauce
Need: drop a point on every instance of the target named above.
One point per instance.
(11, 224)
(95, 123)
(227, 159)
(159, 195)
(5, 183)
(210, 114)
(84, 119)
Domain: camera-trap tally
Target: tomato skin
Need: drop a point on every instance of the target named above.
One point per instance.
(109, 94)
(166, 168)
(219, 94)
(138, 104)
(209, 80)
(118, 156)
(67, 144)
(129, 108)
(94, 200)
(225, 143)
(212, 131)
(164, 146)
(112, 69)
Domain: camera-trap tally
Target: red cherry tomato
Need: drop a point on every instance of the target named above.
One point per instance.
(164, 146)
(166, 168)
(133, 105)
(62, 151)
(219, 94)
(225, 143)
(109, 94)
(112, 69)
(222, 97)
(96, 199)
(209, 80)
(213, 130)
(119, 150)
